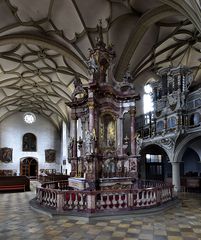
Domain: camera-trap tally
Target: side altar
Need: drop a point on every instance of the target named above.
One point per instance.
(102, 157)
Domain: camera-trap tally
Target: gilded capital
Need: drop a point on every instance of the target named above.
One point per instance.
(73, 116)
(91, 105)
(133, 111)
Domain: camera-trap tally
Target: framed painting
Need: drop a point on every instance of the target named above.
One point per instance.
(50, 155)
(6, 154)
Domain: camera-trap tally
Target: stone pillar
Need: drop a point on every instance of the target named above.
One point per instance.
(176, 175)
(133, 143)
(91, 202)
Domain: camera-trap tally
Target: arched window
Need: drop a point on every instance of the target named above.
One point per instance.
(195, 119)
(171, 122)
(29, 142)
(147, 98)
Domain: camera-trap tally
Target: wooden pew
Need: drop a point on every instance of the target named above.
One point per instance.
(193, 184)
(17, 182)
(12, 187)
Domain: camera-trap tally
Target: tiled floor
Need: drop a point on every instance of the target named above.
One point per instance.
(18, 221)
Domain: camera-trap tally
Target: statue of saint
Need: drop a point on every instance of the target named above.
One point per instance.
(70, 147)
(89, 142)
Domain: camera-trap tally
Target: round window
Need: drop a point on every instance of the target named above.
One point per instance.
(29, 118)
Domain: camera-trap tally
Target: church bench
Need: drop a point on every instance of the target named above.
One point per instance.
(12, 187)
(15, 181)
(193, 184)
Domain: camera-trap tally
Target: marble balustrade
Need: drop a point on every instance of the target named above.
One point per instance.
(105, 200)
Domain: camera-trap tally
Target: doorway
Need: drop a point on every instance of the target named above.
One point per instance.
(29, 167)
(155, 164)
(154, 167)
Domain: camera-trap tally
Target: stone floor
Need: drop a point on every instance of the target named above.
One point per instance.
(19, 221)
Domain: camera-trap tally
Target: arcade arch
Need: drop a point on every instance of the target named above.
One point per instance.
(154, 163)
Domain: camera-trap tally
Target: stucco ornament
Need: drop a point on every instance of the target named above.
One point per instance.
(167, 143)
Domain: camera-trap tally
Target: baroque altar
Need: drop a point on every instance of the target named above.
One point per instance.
(102, 157)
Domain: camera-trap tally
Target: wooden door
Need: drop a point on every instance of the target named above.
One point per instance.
(29, 167)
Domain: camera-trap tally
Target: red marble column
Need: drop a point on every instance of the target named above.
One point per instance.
(133, 134)
(74, 160)
(120, 135)
(75, 137)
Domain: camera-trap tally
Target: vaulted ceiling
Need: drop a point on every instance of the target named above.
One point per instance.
(43, 44)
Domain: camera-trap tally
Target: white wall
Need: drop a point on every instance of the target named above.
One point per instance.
(65, 141)
(12, 130)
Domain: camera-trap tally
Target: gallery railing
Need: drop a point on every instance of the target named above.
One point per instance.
(148, 126)
(102, 201)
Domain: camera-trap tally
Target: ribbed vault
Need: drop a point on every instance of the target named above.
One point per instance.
(44, 44)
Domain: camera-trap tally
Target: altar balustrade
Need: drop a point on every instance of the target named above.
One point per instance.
(47, 197)
(150, 183)
(104, 200)
(62, 185)
(52, 177)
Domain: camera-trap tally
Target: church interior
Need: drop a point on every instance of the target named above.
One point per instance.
(100, 119)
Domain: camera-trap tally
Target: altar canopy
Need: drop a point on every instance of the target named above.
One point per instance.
(103, 107)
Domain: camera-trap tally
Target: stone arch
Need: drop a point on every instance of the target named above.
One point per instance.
(182, 146)
(190, 166)
(155, 149)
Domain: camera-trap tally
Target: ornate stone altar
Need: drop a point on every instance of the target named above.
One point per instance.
(99, 158)
(102, 148)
